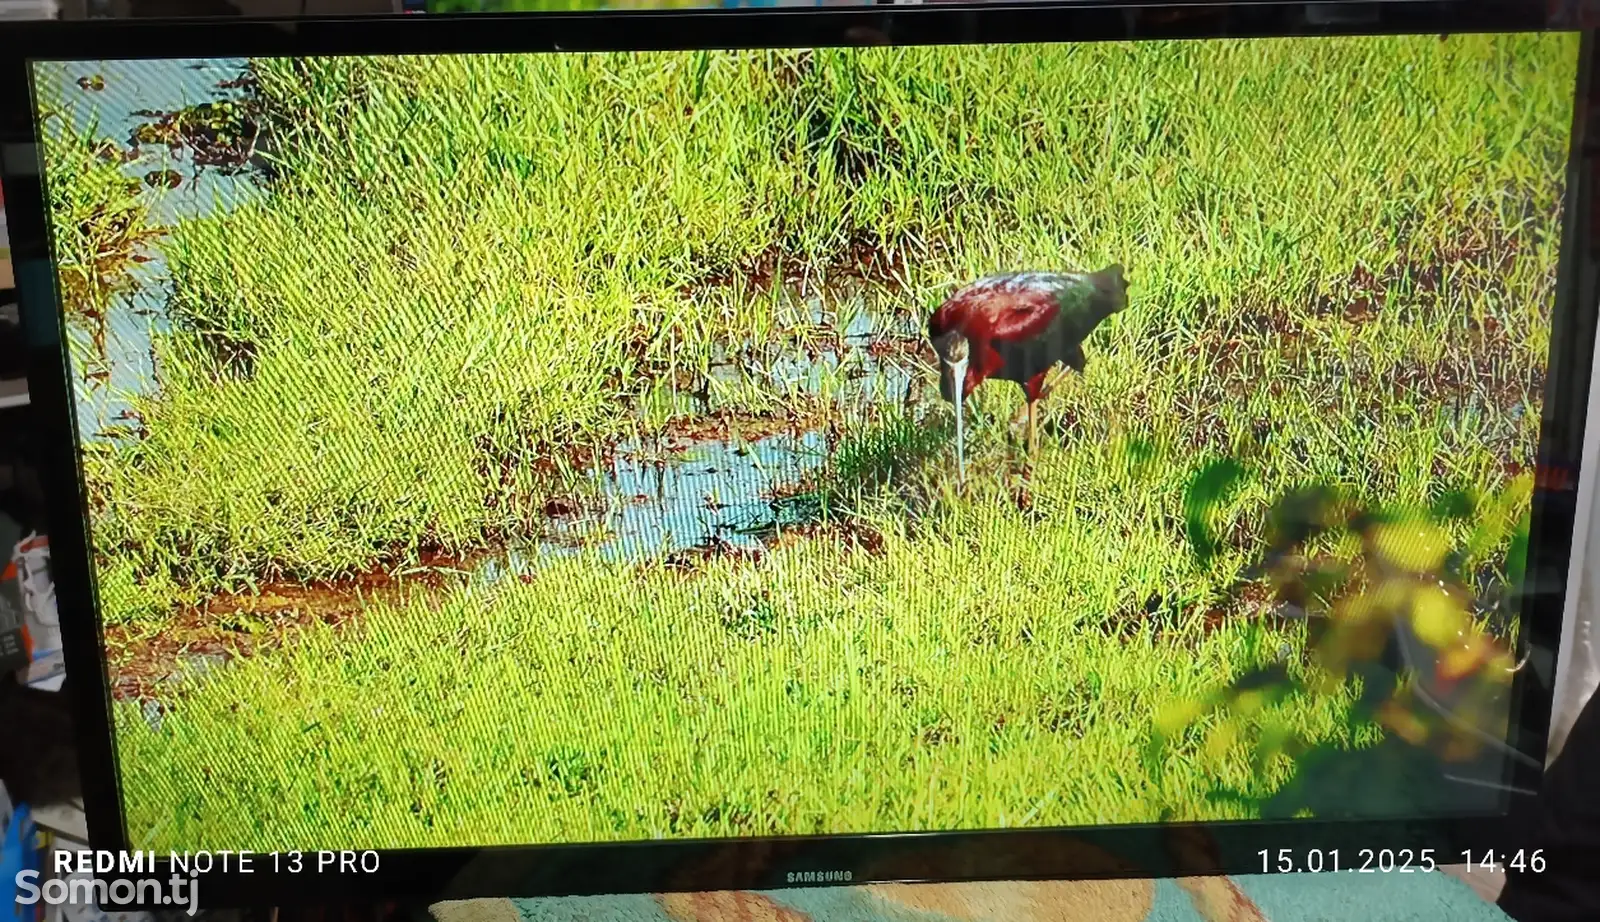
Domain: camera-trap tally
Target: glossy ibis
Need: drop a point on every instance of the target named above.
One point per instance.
(1018, 327)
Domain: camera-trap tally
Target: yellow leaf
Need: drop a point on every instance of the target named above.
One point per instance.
(1357, 609)
(1500, 668)
(1394, 594)
(1438, 617)
(1460, 660)
(1416, 547)
(1173, 718)
(1248, 703)
(1404, 723)
(1222, 739)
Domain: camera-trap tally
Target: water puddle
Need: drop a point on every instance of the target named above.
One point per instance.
(121, 100)
(655, 499)
(718, 483)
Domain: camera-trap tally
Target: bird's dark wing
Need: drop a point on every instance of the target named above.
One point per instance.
(1005, 308)
(1078, 305)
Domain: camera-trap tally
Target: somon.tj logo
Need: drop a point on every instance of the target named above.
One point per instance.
(177, 891)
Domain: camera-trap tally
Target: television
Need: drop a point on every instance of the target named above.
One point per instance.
(560, 454)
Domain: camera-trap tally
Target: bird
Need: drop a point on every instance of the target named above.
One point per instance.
(1018, 326)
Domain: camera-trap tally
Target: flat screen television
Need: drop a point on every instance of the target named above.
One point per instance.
(639, 452)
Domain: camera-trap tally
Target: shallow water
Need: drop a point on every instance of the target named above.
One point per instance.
(657, 497)
(137, 318)
(652, 502)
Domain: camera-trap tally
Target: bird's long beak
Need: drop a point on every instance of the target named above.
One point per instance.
(958, 388)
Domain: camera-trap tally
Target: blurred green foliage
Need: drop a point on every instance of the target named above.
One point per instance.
(1396, 627)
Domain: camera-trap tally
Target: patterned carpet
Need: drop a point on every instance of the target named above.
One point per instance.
(1436, 897)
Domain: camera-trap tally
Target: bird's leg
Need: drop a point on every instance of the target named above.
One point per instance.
(1056, 377)
(1019, 419)
(1033, 428)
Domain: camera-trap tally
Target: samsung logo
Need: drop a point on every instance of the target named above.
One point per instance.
(820, 877)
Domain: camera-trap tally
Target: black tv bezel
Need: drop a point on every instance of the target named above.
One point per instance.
(1177, 849)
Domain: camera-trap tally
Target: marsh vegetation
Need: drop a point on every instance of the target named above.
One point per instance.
(576, 413)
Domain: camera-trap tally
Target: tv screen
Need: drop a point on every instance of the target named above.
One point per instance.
(613, 447)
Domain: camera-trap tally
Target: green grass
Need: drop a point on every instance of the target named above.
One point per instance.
(470, 266)
(816, 693)
(470, 260)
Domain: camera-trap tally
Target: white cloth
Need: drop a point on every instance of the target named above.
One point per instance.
(1578, 662)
